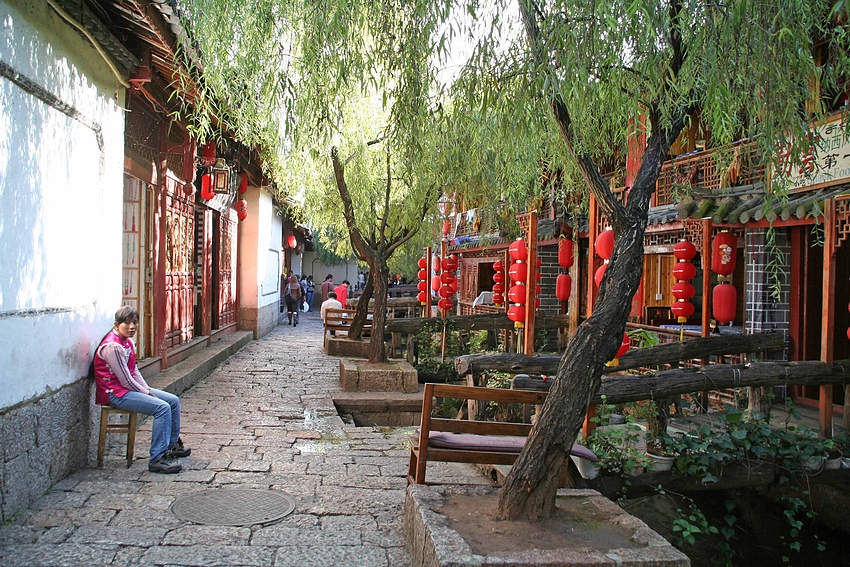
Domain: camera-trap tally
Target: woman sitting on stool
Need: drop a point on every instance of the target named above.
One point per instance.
(120, 385)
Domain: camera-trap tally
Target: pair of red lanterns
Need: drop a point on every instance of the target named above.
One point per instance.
(564, 283)
(518, 276)
(724, 296)
(604, 246)
(241, 205)
(445, 284)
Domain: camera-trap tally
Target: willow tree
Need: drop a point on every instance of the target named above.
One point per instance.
(595, 68)
(557, 84)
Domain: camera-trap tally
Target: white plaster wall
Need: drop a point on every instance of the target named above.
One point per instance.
(261, 251)
(60, 204)
(313, 266)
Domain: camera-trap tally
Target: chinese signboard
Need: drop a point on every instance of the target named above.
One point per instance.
(827, 161)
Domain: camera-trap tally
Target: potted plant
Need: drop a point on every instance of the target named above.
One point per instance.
(616, 445)
(834, 455)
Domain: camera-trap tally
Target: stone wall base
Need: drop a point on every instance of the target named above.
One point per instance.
(42, 442)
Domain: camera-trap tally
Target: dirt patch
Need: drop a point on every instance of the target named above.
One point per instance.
(578, 523)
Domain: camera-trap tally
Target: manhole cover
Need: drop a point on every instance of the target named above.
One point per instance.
(233, 507)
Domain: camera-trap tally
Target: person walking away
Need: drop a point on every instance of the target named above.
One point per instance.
(311, 289)
(342, 292)
(330, 303)
(292, 301)
(327, 287)
(119, 384)
(361, 281)
(303, 284)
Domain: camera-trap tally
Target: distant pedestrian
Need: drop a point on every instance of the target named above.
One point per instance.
(327, 287)
(361, 281)
(311, 289)
(293, 299)
(342, 292)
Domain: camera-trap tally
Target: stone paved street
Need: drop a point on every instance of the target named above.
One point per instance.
(264, 419)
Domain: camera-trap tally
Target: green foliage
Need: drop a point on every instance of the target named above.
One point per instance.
(616, 446)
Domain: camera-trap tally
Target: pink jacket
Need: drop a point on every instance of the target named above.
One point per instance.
(120, 377)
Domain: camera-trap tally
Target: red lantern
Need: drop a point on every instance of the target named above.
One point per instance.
(516, 313)
(446, 291)
(450, 264)
(498, 298)
(435, 263)
(683, 290)
(518, 272)
(422, 285)
(537, 289)
(448, 278)
(624, 346)
(498, 266)
(499, 288)
(600, 271)
(453, 285)
(684, 250)
(682, 309)
(563, 287)
(517, 294)
(242, 209)
(724, 253)
(445, 304)
(435, 283)
(684, 271)
(206, 187)
(499, 277)
(423, 264)
(724, 301)
(292, 241)
(243, 183)
(518, 250)
(605, 244)
(848, 332)
(422, 297)
(447, 226)
(565, 252)
(422, 274)
(208, 151)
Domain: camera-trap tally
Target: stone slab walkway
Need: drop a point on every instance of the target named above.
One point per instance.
(263, 419)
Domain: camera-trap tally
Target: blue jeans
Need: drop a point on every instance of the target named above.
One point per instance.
(165, 409)
(310, 300)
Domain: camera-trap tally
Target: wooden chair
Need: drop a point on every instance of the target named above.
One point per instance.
(106, 427)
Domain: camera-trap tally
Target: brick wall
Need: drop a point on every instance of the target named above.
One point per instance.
(766, 312)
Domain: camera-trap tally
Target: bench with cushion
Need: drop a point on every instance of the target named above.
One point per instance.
(465, 441)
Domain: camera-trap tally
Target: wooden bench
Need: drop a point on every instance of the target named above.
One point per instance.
(465, 441)
(339, 320)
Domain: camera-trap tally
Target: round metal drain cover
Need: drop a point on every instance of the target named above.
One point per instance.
(233, 507)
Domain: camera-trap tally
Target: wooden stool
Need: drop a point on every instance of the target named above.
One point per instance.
(105, 427)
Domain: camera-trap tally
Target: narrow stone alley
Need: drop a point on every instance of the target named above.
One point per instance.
(263, 420)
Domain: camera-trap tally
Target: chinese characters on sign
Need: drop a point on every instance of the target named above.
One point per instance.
(827, 160)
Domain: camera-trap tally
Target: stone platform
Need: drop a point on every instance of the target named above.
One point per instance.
(433, 542)
(357, 375)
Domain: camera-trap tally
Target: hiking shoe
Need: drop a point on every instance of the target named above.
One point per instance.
(178, 450)
(165, 465)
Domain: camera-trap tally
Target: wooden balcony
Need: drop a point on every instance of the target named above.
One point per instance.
(727, 166)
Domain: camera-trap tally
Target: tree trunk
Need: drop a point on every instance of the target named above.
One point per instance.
(355, 332)
(379, 275)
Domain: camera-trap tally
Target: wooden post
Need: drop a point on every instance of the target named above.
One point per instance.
(592, 233)
(827, 314)
(530, 285)
(705, 254)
